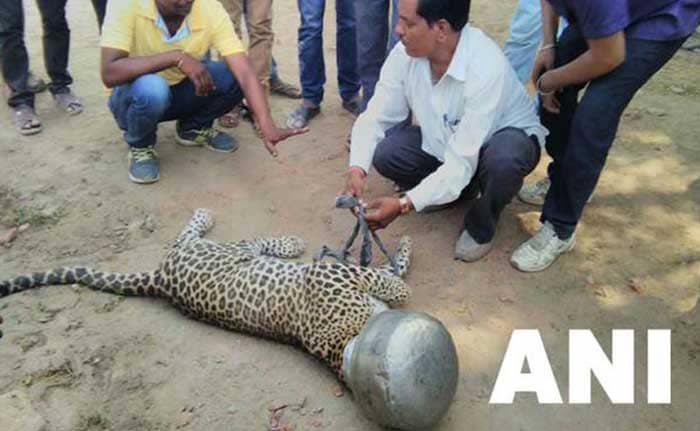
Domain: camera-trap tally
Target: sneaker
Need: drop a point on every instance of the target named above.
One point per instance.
(208, 137)
(468, 250)
(535, 193)
(540, 251)
(144, 167)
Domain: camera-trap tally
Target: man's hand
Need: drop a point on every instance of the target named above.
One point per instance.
(543, 63)
(271, 135)
(548, 95)
(355, 182)
(197, 73)
(382, 211)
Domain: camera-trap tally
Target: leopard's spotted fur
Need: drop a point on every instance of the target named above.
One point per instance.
(243, 286)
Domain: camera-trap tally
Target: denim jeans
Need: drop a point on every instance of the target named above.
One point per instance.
(504, 161)
(583, 132)
(312, 69)
(13, 52)
(141, 104)
(525, 37)
(375, 38)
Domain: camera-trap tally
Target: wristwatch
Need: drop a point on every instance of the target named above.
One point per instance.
(405, 205)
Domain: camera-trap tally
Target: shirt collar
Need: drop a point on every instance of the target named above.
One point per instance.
(195, 20)
(459, 63)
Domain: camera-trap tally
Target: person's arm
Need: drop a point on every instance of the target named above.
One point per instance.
(387, 107)
(602, 57)
(240, 66)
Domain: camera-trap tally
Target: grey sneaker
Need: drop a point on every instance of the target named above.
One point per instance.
(208, 137)
(540, 251)
(144, 167)
(535, 193)
(468, 250)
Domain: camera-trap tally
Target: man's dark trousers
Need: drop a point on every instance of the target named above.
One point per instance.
(583, 132)
(504, 160)
(13, 52)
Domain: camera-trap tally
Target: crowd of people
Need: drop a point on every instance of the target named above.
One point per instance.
(442, 110)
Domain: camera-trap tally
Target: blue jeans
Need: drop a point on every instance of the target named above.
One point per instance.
(583, 132)
(375, 38)
(312, 69)
(525, 37)
(148, 100)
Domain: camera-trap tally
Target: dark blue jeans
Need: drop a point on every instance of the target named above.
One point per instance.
(582, 134)
(504, 161)
(312, 69)
(13, 52)
(375, 38)
(140, 105)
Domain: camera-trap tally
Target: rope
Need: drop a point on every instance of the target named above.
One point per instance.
(351, 202)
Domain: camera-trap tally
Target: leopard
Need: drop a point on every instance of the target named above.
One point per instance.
(249, 286)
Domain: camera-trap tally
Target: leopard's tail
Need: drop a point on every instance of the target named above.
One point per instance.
(136, 284)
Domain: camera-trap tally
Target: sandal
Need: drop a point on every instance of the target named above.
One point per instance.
(282, 88)
(232, 118)
(301, 116)
(26, 121)
(68, 102)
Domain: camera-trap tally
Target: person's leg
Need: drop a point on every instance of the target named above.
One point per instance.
(570, 46)
(372, 39)
(394, 19)
(138, 107)
(100, 7)
(56, 41)
(399, 157)
(505, 160)
(13, 53)
(196, 114)
(577, 167)
(593, 131)
(274, 73)
(346, 54)
(312, 69)
(524, 37)
(234, 8)
(259, 23)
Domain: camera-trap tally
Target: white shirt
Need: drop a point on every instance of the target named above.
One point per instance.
(477, 96)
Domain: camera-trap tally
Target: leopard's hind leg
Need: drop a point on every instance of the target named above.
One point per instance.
(198, 225)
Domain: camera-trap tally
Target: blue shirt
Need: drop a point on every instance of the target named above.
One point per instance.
(639, 19)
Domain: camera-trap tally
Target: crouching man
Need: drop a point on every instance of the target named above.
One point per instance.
(154, 59)
(474, 132)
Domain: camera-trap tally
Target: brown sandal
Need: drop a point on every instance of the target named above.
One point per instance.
(69, 102)
(26, 121)
(232, 118)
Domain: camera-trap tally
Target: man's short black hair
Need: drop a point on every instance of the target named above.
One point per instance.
(456, 12)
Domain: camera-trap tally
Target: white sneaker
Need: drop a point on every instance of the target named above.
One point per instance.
(535, 193)
(540, 251)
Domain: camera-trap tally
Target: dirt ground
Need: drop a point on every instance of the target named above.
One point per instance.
(73, 359)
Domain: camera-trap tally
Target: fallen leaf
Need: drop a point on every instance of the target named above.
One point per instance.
(338, 391)
(9, 236)
(635, 284)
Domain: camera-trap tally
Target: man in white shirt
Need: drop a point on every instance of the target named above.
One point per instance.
(474, 129)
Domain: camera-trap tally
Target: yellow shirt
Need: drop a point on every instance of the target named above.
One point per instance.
(130, 25)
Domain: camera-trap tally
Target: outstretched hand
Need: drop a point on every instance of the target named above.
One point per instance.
(273, 135)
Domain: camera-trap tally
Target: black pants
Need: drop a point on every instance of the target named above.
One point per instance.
(100, 7)
(582, 134)
(504, 160)
(13, 52)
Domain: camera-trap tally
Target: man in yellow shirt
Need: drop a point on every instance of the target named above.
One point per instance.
(154, 58)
